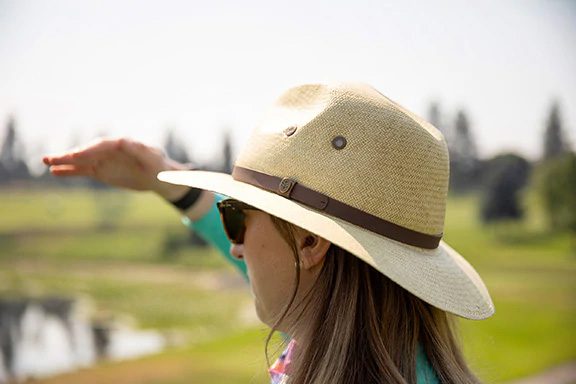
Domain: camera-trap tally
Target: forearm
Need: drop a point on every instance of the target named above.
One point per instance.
(200, 207)
(171, 192)
(194, 209)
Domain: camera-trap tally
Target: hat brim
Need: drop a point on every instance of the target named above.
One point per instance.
(441, 276)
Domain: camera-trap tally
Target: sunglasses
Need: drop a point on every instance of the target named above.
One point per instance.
(234, 218)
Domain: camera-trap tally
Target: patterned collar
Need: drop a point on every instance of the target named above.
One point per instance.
(279, 370)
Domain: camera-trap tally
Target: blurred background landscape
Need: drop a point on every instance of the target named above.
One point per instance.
(159, 305)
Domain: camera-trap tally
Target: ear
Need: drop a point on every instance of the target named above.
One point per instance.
(312, 249)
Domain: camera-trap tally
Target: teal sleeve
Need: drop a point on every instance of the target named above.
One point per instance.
(210, 228)
(424, 372)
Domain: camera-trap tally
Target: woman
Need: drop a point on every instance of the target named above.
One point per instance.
(336, 208)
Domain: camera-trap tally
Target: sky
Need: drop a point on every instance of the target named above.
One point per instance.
(71, 70)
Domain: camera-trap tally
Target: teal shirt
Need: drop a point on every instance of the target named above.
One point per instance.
(210, 228)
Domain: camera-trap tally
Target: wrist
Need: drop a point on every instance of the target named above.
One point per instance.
(181, 197)
(171, 192)
(187, 200)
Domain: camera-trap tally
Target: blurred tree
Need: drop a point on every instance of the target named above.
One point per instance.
(175, 148)
(436, 119)
(555, 182)
(554, 141)
(4, 175)
(8, 154)
(12, 163)
(505, 176)
(227, 153)
(464, 162)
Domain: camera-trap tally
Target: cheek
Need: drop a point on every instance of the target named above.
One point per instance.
(272, 288)
(271, 268)
(271, 271)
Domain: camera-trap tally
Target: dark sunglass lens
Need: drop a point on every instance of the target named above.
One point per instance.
(233, 219)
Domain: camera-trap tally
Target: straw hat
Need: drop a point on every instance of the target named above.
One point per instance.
(347, 163)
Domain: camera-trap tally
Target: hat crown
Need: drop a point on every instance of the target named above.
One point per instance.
(352, 144)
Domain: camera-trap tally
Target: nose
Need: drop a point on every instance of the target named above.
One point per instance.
(237, 250)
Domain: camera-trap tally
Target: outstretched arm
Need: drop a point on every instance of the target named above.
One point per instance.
(129, 164)
(133, 165)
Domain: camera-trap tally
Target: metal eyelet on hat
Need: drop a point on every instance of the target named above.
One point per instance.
(290, 130)
(285, 187)
(339, 142)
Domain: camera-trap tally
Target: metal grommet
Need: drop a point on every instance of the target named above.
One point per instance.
(290, 130)
(285, 187)
(339, 142)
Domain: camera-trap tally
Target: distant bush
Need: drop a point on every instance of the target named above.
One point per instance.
(176, 241)
(555, 183)
(504, 177)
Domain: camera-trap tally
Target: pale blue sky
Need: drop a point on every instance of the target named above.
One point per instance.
(75, 68)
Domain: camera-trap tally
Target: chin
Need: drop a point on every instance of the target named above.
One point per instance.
(259, 311)
(262, 314)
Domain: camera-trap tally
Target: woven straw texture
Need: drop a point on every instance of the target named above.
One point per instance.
(394, 166)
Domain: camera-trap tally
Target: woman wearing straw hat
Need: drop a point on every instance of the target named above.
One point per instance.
(335, 208)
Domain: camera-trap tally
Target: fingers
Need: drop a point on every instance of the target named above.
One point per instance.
(72, 170)
(85, 155)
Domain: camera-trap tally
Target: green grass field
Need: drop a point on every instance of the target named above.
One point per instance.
(112, 247)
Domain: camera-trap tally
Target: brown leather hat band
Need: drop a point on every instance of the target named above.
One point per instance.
(292, 190)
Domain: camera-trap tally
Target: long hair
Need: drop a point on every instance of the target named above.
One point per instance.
(365, 328)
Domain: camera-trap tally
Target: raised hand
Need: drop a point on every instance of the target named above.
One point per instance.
(121, 163)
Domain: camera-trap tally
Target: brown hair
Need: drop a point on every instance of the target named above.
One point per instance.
(366, 328)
